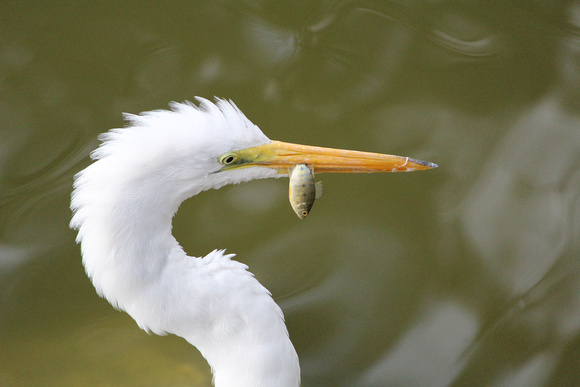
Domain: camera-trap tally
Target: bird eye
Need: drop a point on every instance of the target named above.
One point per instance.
(228, 158)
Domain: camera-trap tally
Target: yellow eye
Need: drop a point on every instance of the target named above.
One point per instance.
(227, 158)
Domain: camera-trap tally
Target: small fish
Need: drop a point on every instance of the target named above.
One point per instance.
(303, 190)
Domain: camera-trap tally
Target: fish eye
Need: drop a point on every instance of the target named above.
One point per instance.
(227, 158)
(304, 213)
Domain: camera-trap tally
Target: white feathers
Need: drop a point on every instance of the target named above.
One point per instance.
(122, 207)
(187, 122)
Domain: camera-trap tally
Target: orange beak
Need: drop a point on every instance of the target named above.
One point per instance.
(283, 155)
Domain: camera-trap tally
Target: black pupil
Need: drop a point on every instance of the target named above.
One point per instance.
(229, 159)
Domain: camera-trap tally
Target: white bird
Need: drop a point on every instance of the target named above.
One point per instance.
(123, 205)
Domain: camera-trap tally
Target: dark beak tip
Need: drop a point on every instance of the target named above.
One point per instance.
(427, 164)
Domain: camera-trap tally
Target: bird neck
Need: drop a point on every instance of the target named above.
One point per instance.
(125, 243)
(265, 365)
(212, 302)
(243, 337)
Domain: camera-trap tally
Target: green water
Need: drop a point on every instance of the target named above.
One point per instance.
(464, 275)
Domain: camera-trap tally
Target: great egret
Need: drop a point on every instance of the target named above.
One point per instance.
(123, 205)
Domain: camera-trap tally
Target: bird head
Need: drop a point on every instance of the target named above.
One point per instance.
(190, 148)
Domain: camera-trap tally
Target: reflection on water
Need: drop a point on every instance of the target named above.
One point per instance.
(467, 275)
(440, 331)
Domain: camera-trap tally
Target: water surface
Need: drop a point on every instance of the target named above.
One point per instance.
(464, 275)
